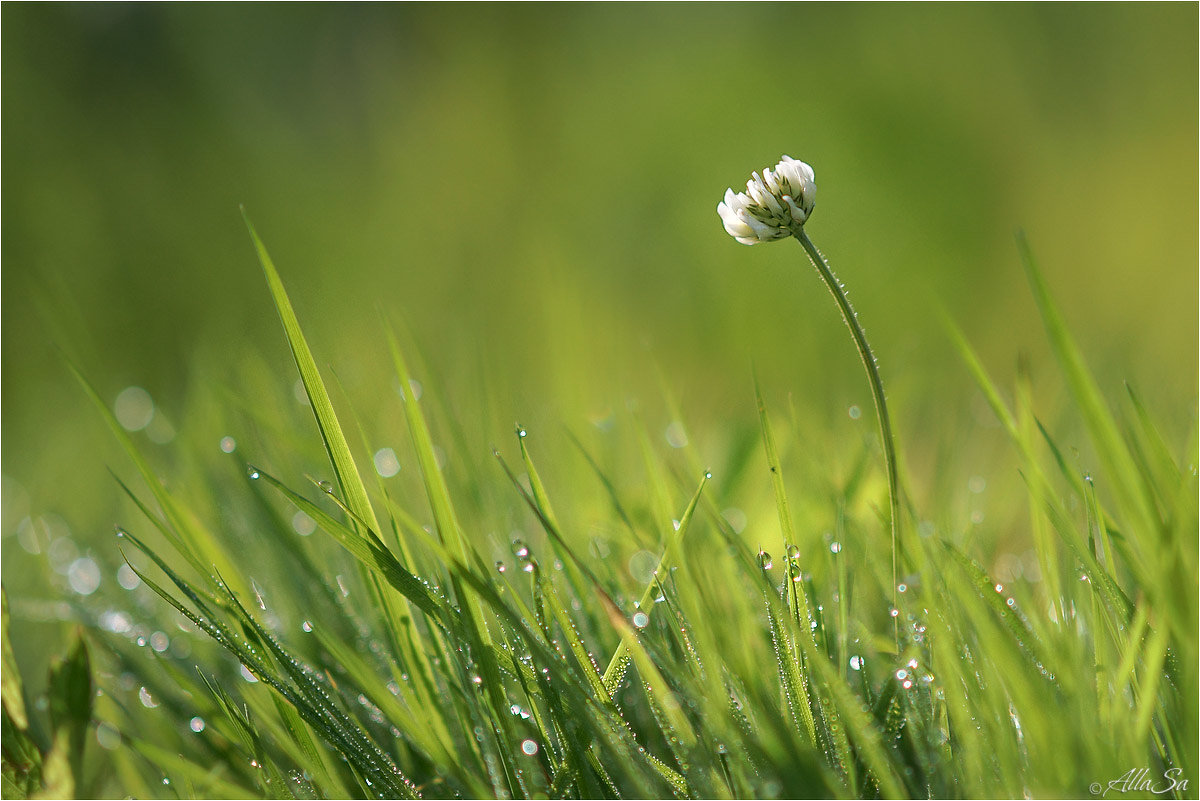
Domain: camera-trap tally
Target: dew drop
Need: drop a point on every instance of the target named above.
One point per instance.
(520, 549)
(640, 619)
(500, 566)
(196, 724)
(764, 560)
(252, 471)
(894, 612)
(854, 412)
(228, 444)
(307, 626)
(708, 474)
(857, 662)
(793, 551)
(326, 487)
(146, 699)
(529, 747)
(901, 588)
(835, 547)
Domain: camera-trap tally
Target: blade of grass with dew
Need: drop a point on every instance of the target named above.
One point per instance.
(615, 732)
(400, 630)
(452, 536)
(549, 519)
(248, 734)
(336, 446)
(305, 686)
(204, 779)
(314, 706)
(1126, 483)
(331, 431)
(399, 714)
(616, 666)
(371, 553)
(675, 725)
(297, 739)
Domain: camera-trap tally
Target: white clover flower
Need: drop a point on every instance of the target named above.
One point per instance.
(772, 205)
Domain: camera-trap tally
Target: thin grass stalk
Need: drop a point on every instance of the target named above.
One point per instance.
(877, 395)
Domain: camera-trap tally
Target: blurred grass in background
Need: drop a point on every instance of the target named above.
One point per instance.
(534, 187)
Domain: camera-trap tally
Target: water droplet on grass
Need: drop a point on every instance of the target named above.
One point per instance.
(793, 551)
(857, 662)
(196, 724)
(307, 626)
(326, 487)
(640, 619)
(854, 412)
(835, 547)
(529, 747)
(252, 471)
(764, 560)
(500, 566)
(520, 549)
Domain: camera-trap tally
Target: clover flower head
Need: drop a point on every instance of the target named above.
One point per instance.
(773, 205)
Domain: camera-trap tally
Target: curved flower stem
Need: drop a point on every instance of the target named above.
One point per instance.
(885, 422)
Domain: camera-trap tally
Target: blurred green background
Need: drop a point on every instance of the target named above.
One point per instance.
(532, 189)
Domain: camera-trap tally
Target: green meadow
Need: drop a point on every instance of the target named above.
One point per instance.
(387, 414)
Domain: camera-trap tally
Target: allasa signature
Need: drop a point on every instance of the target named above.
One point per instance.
(1141, 780)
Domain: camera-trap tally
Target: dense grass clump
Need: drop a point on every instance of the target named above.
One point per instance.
(469, 636)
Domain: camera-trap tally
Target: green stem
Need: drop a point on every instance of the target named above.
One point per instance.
(872, 368)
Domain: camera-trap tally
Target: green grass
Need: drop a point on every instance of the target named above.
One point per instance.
(458, 630)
